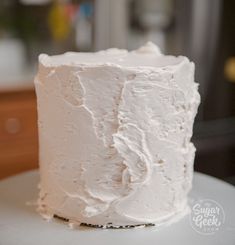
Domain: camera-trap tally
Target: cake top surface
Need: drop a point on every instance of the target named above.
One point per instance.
(148, 55)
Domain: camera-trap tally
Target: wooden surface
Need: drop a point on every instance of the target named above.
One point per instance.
(18, 133)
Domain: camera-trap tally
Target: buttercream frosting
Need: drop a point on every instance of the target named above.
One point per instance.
(114, 134)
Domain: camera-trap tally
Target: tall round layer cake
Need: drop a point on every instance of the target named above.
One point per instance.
(114, 134)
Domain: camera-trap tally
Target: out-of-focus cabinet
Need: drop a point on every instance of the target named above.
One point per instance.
(18, 132)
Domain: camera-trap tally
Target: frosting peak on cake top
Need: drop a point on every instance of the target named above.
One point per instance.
(149, 48)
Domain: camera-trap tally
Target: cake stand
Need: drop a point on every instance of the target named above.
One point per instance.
(20, 224)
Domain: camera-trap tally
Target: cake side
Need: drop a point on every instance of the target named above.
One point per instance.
(115, 141)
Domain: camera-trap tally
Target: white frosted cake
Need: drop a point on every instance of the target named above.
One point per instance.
(114, 134)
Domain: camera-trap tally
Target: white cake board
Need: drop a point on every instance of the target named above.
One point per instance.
(21, 225)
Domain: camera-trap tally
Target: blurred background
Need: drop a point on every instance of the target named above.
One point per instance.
(203, 30)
